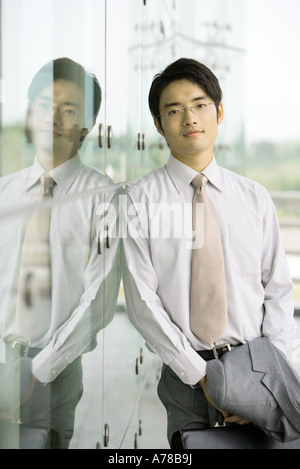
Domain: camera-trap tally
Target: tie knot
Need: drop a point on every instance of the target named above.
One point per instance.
(47, 182)
(199, 181)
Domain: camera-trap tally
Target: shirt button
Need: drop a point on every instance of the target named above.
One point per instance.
(182, 373)
(53, 372)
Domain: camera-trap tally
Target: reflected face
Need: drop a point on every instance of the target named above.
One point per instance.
(190, 133)
(56, 121)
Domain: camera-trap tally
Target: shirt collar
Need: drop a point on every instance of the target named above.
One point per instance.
(182, 175)
(64, 174)
(34, 174)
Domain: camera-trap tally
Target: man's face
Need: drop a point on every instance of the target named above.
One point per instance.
(56, 121)
(190, 135)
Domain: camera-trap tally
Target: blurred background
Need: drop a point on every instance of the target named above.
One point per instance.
(252, 46)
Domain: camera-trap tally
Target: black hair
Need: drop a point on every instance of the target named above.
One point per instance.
(184, 69)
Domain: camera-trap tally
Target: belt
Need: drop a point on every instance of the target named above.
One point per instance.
(216, 352)
(24, 349)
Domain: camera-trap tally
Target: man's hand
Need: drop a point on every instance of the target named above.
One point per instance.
(6, 415)
(228, 418)
(236, 419)
(30, 389)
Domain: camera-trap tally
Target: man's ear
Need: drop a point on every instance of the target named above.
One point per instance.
(158, 126)
(220, 113)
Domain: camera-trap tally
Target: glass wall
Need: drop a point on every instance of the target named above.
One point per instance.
(216, 37)
(272, 136)
(88, 316)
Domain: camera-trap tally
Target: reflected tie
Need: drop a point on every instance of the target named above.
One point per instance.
(208, 290)
(34, 294)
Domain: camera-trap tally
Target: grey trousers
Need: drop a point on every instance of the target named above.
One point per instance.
(186, 408)
(51, 406)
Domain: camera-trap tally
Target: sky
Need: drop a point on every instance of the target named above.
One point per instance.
(272, 65)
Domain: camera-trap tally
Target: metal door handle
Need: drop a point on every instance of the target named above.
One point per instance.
(106, 434)
(100, 135)
(109, 136)
(139, 141)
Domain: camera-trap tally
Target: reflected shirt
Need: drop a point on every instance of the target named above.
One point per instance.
(157, 263)
(79, 307)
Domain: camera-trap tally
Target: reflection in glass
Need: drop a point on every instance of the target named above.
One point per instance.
(53, 296)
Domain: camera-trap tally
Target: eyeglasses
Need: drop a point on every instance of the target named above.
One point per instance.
(67, 111)
(175, 113)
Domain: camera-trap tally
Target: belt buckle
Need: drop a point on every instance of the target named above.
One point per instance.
(218, 425)
(17, 343)
(215, 349)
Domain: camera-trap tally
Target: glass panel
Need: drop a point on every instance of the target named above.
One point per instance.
(134, 91)
(118, 15)
(41, 27)
(124, 43)
(35, 33)
(214, 35)
(272, 145)
(121, 341)
(159, 49)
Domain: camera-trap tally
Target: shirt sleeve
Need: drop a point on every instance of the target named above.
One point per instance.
(97, 304)
(278, 324)
(144, 306)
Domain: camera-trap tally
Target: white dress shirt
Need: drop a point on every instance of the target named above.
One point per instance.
(157, 264)
(81, 305)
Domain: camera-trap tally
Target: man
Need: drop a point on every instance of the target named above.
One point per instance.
(51, 324)
(186, 103)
